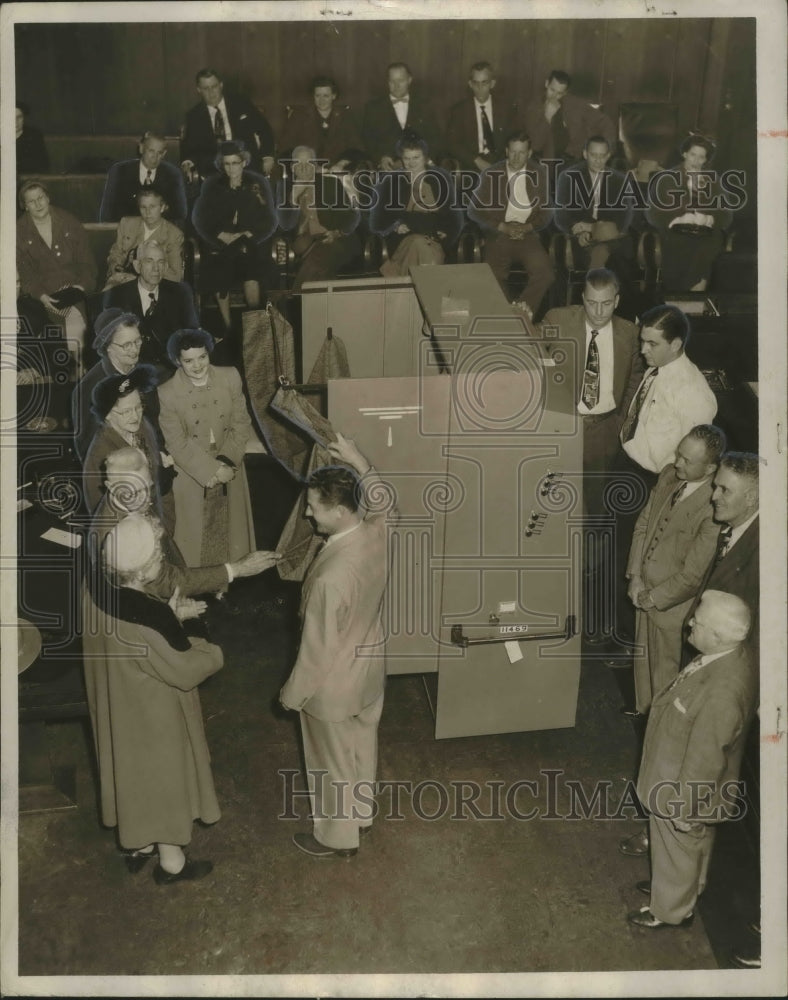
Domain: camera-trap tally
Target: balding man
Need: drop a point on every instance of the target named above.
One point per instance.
(688, 780)
(735, 565)
(150, 172)
(675, 537)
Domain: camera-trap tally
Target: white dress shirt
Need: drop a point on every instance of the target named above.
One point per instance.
(518, 205)
(144, 174)
(678, 399)
(400, 106)
(604, 343)
(228, 132)
(739, 530)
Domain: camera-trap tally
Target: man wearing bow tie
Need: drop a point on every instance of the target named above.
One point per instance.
(387, 119)
(734, 566)
(691, 759)
(338, 678)
(675, 537)
(478, 125)
(219, 118)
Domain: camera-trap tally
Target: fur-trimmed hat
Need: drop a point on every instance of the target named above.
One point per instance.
(109, 390)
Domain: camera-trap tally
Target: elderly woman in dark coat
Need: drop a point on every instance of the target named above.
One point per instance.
(117, 405)
(235, 216)
(206, 426)
(142, 669)
(54, 261)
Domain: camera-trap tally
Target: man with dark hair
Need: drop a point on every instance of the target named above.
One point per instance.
(607, 371)
(220, 118)
(735, 565)
(674, 539)
(560, 123)
(589, 208)
(338, 678)
(126, 179)
(326, 126)
(509, 204)
(164, 306)
(387, 119)
(691, 759)
(478, 124)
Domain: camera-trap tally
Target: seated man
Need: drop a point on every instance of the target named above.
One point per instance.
(220, 118)
(326, 127)
(126, 179)
(478, 125)
(165, 306)
(387, 119)
(560, 124)
(590, 208)
(508, 204)
(317, 208)
(415, 211)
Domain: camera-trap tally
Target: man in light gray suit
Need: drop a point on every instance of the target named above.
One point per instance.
(674, 539)
(338, 678)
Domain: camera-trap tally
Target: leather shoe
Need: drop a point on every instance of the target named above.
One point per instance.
(364, 830)
(644, 886)
(635, 846)
(136, 860)
(307, 843)
(746, 961)
(191, 870)
(645, 918)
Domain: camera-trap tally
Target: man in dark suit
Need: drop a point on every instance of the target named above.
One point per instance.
(560, 123)
(219, 118)
(509, 205)
(674, 539)
(165, 306)
(590, 209)
(688, 780)
(606, 378)
(478, 125)
(735, 565)
(126, 179)
(387, 119)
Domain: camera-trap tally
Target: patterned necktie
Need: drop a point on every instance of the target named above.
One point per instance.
(218, 125)
(149, 178)
(678, 494)
(631, 423)
(487, 132)
(590, 390)
(152, 307)
(723, 543)
(693, 665)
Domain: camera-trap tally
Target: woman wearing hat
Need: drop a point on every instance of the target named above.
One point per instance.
(54, 261)
(117, 405)
(206, 426)
(142, 670)
(235, 217)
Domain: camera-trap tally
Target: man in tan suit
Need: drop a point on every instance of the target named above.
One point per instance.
(688, 780)
(674, 539)
(338, 678)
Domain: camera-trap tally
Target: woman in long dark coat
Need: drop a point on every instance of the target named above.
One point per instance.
(142, 670)
(235, 216)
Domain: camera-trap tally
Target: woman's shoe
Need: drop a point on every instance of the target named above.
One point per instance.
(191, 870)
(136, 860)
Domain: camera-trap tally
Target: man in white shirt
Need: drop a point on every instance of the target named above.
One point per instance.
(509, 204)
(479, 124)
(388, 118)
(151, 171)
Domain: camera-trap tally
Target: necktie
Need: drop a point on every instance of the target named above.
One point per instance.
(590, 391)
(487, 132)
(631, 423)
(723, 543)
(695, 664)
(678, 494)
(559, 132)
(218, 125)
(148, 178)
(152, 307)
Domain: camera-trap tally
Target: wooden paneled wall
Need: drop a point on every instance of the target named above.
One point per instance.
(124, 78)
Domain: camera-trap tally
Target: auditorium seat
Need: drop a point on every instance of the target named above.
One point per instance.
(85, 153)
(79, 194)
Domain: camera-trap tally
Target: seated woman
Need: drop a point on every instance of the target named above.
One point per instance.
(143, 666)
(55, 263)
(317, 208)
(117, 405)
(324, 126)
(687, 210)
(203, 416)
(235, 216)
(415, 211)
(134, 230)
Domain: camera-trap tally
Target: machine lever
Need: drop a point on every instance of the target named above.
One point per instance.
(459, 639)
